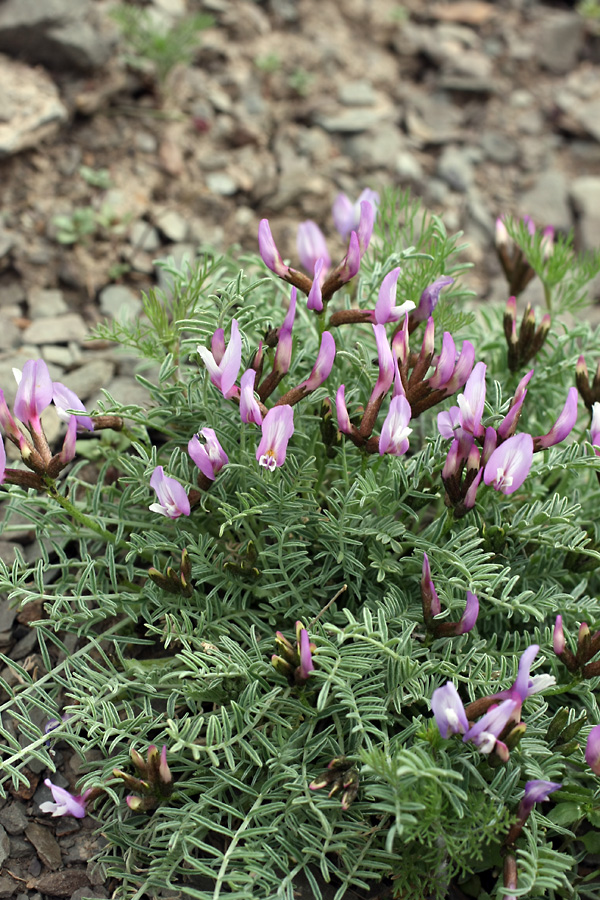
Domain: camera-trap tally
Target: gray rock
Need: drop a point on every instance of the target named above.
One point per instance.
(144, 236)
(145, 142)
(499, 148)
(120, 303)
(4, 845)
(7, 242)
(547, 201)
(172, 225)
(7, 887)
(56, 353)
(46, 303)
(45, 844)
(356, 93)
(587, 114)
(221, 183)
(7, 555)
(57, 33)
(408, 167)
(56, 330)
(10, 335)
(13, 817)
(560, 41)
(92, 376)
(30, 107)
(585, 196)
(128, 392)
(349, 121)
(455, 168)
(378, 150)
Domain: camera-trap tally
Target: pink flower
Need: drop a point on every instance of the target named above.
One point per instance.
(306, 663)
(312, 248)
(484, 734)
(34, 392)
(346, 215)
(395, 430)
(65, 803)
(323, 365)
(595, 428)
(283, 354)
(471, 403)
(509, 422)
(429, 298)
(341, 410)
(509, 464)
(209, 457)
(173, 500)
(64, 398)
(385, 309)
(315, 297)
(223, 374)
(2, 461)
(277, 429)
(249, 408)
(563, 425)
(431, 601)
(386, 364)
(469, 617)
(268, 250)
(448, 710)
(592, 750)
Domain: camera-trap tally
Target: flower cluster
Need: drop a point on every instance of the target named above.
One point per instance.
(295, 663)
(499, 456)
(155, 783)
(517, 269)
(432, 608)
(588, 645)
(35, 392)
(340, 775)
(500, 727)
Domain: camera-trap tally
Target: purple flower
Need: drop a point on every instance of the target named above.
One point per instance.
(595, 428)
(323, 365)
(563, 425)
(269, 253)
(365, 226)
(509, 464)
(592, 750)
(283, 354)
(429, 299)
(469, 617)
(277, 429)
(509, 422)
(448, 710)
(449, 423)
(385, 308)
(224, 373)
(249, 408)
(485, 733)
(315, 297)
(2, 461)
(462, 369)
(386, 364)
(209, 457)
(64, 398)
(350, 264)
(525, 685)
(536, 792)
(346, 215)
(303, 642)
(341, 410)
(431, 601)
(67, 452)
(312, 247)
(446, 361)
(558, 637)
(395, 430)
(173, 500)
(65, 803)
(471, 403)
(34, 392)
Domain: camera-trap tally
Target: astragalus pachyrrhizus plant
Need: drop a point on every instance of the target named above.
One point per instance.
(342, 571)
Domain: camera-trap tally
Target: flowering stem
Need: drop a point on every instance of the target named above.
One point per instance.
(75, 513)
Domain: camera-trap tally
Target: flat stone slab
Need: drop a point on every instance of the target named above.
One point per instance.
(30, 107)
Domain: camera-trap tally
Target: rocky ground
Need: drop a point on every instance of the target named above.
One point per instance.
(479, 108)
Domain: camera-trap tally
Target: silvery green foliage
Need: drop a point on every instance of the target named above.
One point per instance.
(269, 548)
